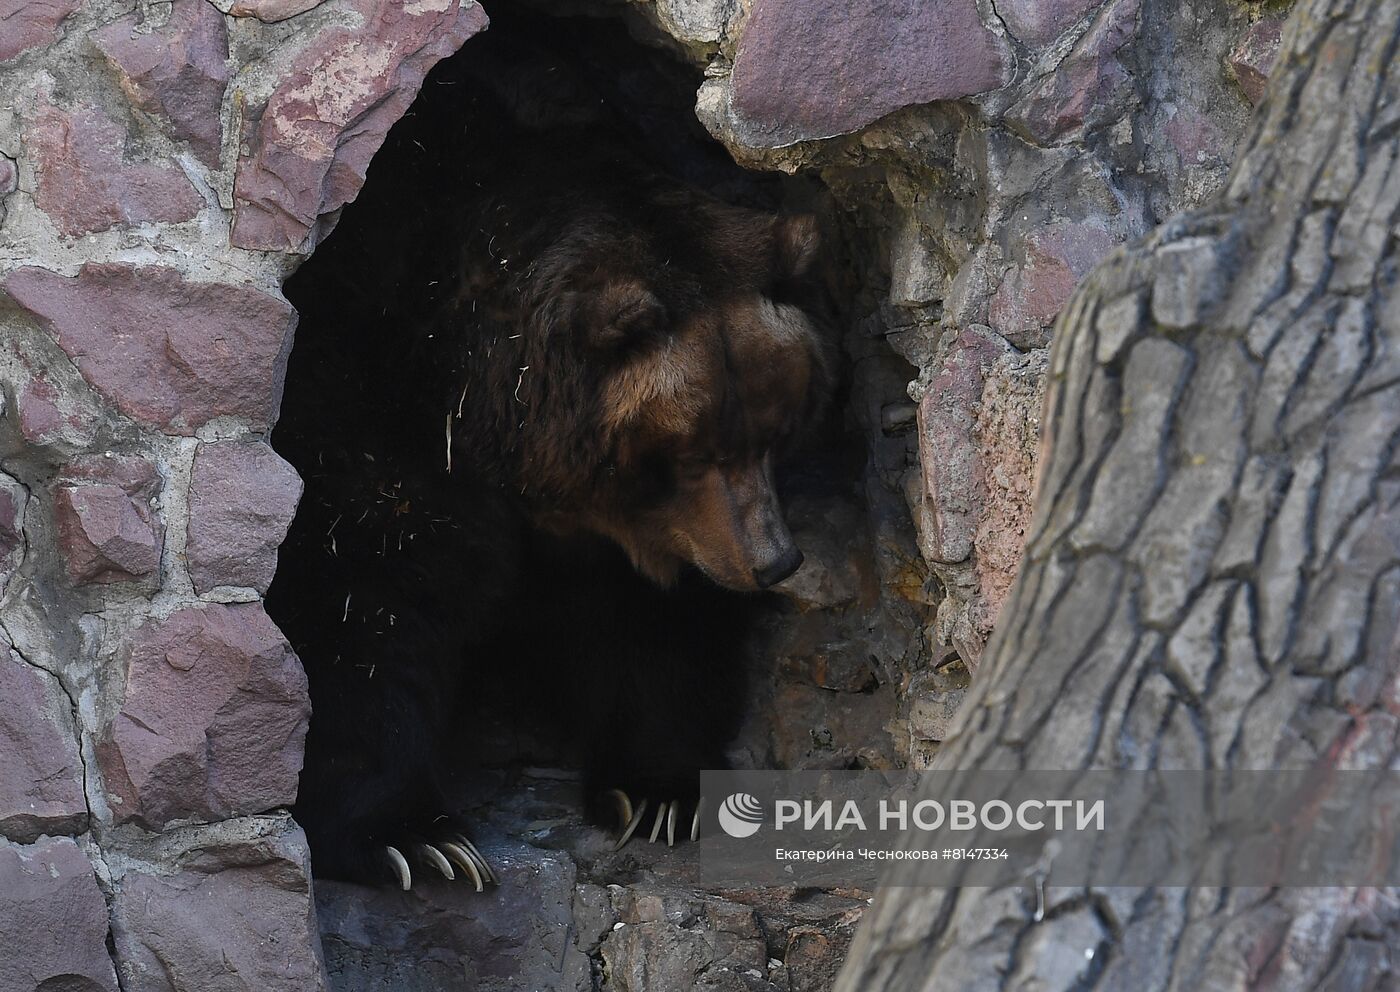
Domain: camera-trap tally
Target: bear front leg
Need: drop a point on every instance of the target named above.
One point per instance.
(370, 800)
(668, 693)
(380, 596)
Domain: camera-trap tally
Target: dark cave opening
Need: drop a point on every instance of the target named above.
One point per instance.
(363, 422)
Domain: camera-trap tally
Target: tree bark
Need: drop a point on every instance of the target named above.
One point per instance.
(1212, 578)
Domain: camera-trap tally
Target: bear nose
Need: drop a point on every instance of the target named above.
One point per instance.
(775, 572)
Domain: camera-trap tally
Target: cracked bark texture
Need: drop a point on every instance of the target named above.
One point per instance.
(1212, 576)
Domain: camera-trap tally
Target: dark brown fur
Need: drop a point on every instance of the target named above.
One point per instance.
(649, 371)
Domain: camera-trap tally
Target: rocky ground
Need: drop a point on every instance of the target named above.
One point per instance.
(571, 913)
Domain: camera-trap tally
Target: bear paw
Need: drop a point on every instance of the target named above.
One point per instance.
(448, 855)
(668, 813)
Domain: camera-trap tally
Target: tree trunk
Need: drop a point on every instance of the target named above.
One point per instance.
(1212, 579)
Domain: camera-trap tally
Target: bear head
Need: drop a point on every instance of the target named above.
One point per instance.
(668, 361)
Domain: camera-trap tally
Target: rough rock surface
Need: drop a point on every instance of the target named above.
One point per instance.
(53, 920)
(1007, 434)
(1030, 296)
(165, 350)
(310, 145)
(516, 935)
(106, 536)
(212, 722)
(176, 72)
(41, 773)
(242, 499)
(978, 437)
(26, 24)
(952, 492)
(1090, 88)
(13, 500)
(52, 417)
(235, 913)
(266, 10)
(1253, 56)
(85, 183)
(855, 64)
(107, 530)
(1036, 23)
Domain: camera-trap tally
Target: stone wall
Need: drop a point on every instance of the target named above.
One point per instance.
(163, 169)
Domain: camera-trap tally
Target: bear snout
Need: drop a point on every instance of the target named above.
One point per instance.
(774, 572)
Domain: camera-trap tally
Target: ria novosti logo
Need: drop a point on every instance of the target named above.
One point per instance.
(741, 815)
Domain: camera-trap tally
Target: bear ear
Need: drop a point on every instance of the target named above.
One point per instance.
(624, 310)
(796, 244)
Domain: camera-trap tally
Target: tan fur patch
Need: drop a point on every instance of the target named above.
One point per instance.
(788, 324)
(668, 387)
(773, 347)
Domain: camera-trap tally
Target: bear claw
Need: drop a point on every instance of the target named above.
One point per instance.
(656, 827)
(624, 805)
(437, 859)
(632, 825)
(443, 856)
(400, 866)
(464, 861)
(464, 852)
(487, 871)
(666, 813)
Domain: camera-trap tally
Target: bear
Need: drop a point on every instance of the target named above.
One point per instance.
(539, 423)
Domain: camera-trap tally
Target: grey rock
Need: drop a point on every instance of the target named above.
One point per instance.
(444, 937)
(934, 700)
(86, 183)
(824, 68)
(230, 911)
(165, 350)
(41, 773)
(13, 500)
(105, 535)
(212, 719)
(53, 920)
(242, 500)
(177, 72)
